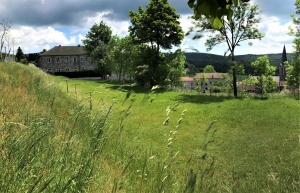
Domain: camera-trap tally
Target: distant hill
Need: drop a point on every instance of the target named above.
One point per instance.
(220, 63)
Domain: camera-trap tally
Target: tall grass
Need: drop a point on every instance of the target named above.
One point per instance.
(138, 141)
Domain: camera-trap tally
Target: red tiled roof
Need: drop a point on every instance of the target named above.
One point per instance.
(211, 75)
(187, 79)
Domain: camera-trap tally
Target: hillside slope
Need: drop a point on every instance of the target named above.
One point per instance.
(220, 63)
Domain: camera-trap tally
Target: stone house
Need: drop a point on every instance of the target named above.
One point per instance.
(210, 78)
(65, 59)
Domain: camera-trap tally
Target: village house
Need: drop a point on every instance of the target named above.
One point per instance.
(206, 80)
(65, 59)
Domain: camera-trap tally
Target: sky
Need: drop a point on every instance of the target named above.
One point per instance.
(43, 24)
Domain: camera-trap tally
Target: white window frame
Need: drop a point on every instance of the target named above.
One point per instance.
(49, 70)
(57, 59)
(48, 59)
(67, 69)
(58, 69)
(82, 68)
(82, 59)
(75, 69)
(67, 59)
(75, 59)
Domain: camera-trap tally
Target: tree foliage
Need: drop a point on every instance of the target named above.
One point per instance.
(241, 27)
(264, 71)
(209, 69)
(158, 26)
(214, 10)
(176, 62)
(21, 57)
(96, 46)
(293, 68)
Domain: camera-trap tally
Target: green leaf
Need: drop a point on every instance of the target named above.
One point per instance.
(191, 3)
(229, 14)
(204, 8)
(216, 23)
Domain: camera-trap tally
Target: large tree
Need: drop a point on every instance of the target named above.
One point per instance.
(158, 26)
(214, 10)
(241, 27)
(96, 46)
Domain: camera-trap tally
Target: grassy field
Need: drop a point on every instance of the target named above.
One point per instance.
(135, 140)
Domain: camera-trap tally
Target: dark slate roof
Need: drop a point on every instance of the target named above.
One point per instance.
(283, 57)
(65, 50)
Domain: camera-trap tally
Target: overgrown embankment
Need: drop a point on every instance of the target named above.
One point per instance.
(139, 141)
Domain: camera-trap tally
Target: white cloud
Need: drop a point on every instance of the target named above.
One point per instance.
(118, 27)
(36, 39)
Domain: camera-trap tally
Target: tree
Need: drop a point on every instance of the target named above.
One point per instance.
(241, 27)
(214, 10)
(96, 46)
(158, 26)
(44, 50)
(5, 25)
(124, 54)
(176, 62)
(209, 69)
(264, 71)
(21, 57)
(293, 69)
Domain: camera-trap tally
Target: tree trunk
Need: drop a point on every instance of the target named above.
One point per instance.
(234, 76)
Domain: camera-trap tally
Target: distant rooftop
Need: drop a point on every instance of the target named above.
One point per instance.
(65, 50)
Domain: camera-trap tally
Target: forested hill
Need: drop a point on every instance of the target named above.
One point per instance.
(220, 63)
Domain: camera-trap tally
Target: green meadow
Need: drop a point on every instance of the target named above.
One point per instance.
(111, 137)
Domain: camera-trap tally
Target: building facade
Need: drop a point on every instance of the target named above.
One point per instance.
(65, 59)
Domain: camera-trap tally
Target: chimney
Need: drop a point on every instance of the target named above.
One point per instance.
(59, 46)
(78, 45)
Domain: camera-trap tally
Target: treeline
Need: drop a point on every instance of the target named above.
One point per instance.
(221, 63)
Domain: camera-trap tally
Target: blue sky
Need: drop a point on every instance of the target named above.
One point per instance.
(39, 24)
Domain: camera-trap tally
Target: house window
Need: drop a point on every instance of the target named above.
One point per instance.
(67, 69)
(81, 59)
(67, 59)
(82, 68)
(58, 70)
(57, 60)
(90, 59)
(48, 59)
(75, 59)
(75, 69)
(49, 70)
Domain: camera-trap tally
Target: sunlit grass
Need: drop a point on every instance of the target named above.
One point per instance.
(135, 140)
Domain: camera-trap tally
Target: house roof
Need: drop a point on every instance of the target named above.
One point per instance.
(187, 79)
(211, 75)
(65, 50)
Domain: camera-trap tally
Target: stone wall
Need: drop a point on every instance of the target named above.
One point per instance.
(65, 63)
